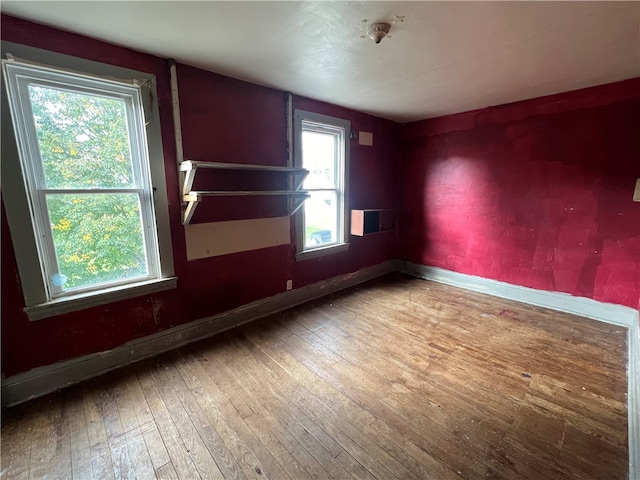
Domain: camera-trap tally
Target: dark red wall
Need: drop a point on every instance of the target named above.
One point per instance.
(536, 193)
(223, 120)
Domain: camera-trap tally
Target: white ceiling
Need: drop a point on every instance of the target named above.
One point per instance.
(445, 57)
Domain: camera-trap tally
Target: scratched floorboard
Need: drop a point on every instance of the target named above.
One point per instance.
(396, 379)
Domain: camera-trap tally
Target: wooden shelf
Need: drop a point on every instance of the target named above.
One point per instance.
(192, 198)
(194, 164)
(365, 222)
(196, 196)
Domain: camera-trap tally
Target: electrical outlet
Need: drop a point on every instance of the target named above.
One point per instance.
(289, 284)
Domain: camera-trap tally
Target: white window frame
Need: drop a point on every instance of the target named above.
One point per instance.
(23, 186)
(315, 122)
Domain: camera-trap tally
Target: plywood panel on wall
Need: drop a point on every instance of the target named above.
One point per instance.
(221, 238)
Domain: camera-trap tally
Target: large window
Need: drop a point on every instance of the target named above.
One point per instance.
(322, 149)
(84, 162)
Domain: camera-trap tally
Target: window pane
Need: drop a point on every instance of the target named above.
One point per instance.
(83, 139)
(319, 157)
(98, 238)
(321, 219)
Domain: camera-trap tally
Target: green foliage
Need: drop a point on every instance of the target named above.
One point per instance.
(84, 143)
(83, 139)
(97, 237)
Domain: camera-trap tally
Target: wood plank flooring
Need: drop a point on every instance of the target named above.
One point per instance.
(395, 379)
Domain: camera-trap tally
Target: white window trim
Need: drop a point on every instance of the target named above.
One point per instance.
(18, 208)
(81, 301)
(303, 252)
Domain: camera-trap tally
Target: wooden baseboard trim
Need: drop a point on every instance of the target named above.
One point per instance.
(585, 307)
(42, 380)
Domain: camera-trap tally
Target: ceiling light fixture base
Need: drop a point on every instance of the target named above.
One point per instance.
(378, 31)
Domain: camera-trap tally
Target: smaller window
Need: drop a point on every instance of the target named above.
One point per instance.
(321, 148)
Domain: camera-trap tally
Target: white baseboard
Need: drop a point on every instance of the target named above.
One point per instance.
(585, 307)
(46, 379)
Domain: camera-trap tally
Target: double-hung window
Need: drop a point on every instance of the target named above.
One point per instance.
(84, 161)
(322, 148)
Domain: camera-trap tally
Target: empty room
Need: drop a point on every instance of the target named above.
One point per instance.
(320, 240)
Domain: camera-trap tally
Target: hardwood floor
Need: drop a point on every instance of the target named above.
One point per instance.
(396, 379)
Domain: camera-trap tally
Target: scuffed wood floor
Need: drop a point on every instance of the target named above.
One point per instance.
(398, 378)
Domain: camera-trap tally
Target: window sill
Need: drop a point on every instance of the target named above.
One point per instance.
(321, 252)
(92, 299)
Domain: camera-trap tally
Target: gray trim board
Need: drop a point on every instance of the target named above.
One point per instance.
(633, 398)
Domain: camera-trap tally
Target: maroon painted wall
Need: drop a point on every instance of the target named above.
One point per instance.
(536, 193)
(222, 120)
